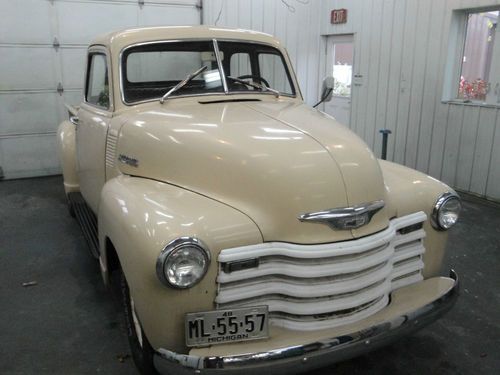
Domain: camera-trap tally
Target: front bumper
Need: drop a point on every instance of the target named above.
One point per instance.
(400, 319)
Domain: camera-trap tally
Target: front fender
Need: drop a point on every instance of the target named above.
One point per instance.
(140, 217)
(66, 139)
(408, 191)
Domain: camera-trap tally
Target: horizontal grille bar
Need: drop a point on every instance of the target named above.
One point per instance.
(320, 305)
(326, 268)
(324, 321)
(322, 250)
(311, 287)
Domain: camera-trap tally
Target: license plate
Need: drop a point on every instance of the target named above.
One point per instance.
(222, 326)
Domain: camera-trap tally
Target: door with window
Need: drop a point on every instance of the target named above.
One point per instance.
(339, 64)
(94, 116)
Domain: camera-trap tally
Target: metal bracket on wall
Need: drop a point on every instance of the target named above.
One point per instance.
(141, 3)
(56, 43)
(60, 88)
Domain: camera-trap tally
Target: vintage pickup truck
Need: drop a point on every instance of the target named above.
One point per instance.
(248, 232)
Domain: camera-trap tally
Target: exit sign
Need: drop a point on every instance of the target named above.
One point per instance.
(338, 16)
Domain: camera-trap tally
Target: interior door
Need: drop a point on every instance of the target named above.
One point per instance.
(94, 117)
(339, 64)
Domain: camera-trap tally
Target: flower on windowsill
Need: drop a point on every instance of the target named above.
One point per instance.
(472, 90)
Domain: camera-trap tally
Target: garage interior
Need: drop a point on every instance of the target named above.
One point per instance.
(403, 64)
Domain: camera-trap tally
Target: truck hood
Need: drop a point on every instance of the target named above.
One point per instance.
(273, 161)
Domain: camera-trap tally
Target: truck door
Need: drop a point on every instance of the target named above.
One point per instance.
(94, 117)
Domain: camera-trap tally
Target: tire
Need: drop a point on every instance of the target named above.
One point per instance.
(142, 351)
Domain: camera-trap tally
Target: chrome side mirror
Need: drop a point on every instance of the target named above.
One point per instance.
(326, 90)
(74, 120)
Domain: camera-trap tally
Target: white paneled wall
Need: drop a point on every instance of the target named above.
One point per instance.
(31, 68)
(401, 50)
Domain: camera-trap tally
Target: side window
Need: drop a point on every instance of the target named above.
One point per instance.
(97, 92)
(240, 65)
(473, 59)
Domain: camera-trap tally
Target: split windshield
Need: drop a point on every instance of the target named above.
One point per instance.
(150, 71)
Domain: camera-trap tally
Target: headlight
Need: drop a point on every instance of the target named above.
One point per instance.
(446, 211)
(183, 262)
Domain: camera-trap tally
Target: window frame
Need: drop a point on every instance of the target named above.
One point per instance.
(92, 51)
(255, 67)
(283, 53)
(454, 58)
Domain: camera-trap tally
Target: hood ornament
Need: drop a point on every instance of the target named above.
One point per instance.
(345, 217)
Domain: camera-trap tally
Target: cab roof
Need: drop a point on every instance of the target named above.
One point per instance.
(117, 40)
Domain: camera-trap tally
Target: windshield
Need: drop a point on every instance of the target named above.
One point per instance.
(152, 70)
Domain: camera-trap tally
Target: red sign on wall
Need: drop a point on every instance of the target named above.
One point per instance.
(338, 16)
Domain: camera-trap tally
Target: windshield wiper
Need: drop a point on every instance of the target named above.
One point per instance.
(182, 83)
(256, 86)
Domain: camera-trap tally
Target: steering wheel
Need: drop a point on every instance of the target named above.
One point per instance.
(254, 77)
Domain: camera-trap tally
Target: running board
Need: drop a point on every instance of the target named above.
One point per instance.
(87, 221)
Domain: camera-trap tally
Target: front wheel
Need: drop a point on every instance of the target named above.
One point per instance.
(142, 351)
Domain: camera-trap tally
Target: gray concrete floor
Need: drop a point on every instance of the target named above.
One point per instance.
(68, 323)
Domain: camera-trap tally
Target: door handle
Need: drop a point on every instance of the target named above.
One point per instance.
(74, 120)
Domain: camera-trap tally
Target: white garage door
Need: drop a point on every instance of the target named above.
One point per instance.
(42, 48)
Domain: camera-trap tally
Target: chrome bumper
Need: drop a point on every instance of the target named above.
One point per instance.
(307, 357)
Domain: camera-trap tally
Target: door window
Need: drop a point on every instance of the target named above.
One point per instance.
(339, 64)
(342, 68)
(97, 92)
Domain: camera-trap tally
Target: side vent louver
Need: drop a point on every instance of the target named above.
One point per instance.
(111, 148)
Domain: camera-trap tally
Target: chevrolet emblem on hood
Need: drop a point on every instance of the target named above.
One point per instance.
(345, 217)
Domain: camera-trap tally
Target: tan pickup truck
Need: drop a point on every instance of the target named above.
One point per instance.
(249, 232)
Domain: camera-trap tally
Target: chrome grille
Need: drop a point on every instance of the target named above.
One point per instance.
(310, 287)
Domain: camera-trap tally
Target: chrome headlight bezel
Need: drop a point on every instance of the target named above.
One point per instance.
(174, 247)
(440, 203)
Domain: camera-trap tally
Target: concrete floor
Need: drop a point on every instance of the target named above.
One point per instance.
(69, 324)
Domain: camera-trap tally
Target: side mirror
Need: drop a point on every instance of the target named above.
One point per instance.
(326, 90)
